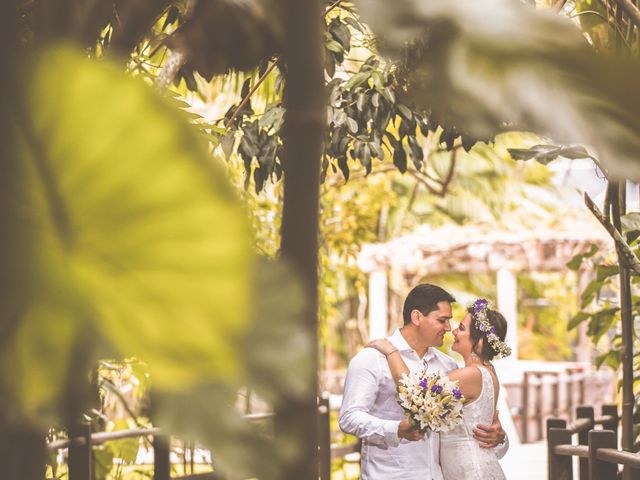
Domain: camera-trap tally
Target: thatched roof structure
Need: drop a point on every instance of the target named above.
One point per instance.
(485, 248)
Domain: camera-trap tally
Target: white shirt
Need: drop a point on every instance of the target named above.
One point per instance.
(370, 411)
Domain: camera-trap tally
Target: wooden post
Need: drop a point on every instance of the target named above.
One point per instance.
(22, 451)
(161, 459)
(539, 409)
(324, 440)
(185, 447)
(583, 438)
(560, 466)
(581, 386)
(613, 425)
(192, 451)
(598, 469)
(525, 408)
(80, 459)
(555, 423)
(569, 390)
(555, 402)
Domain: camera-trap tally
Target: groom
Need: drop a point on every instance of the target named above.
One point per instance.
(391, 447)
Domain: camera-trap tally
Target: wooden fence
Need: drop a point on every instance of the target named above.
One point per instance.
(81, 442)
(597, 449)
(552, 394)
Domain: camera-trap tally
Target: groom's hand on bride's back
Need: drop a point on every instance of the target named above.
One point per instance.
(406, 431)
(490, 436)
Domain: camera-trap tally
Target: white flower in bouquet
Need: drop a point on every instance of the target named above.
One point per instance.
(431, 402)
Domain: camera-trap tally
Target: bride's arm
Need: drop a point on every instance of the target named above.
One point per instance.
(396, 365)
(394, 359)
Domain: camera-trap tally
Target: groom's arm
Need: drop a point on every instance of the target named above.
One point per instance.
(360, 391)
(492, 436)
(501, 449)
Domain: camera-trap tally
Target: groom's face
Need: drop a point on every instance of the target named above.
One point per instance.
(435, 325)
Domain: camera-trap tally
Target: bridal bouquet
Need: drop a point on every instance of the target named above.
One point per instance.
(431, 402)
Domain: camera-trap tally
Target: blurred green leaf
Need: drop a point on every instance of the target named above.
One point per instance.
(601, 322)
(515, 68)
(279, 346)
(612, 359)
(545, 154)
(589, 293)
(277, 355)
(576, 261)
(103, 461)
(605, 271)
(631, 222)
(134, 243)
(577, 320)
(126, 449)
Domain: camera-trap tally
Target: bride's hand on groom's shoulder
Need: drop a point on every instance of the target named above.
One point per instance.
(408, 432)
(383, 345)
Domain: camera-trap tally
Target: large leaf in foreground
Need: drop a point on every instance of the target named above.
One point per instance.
(130, 240)
(277, 359)
(492, 65)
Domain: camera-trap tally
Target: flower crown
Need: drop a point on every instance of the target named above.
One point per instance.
(479, 315)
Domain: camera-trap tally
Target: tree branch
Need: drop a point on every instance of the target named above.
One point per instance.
(251, 92)
(627, 257)
(332, 6)
(419, 176)
(176, 61)
(447, 181)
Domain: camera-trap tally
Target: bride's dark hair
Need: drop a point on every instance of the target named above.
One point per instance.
(496, 320)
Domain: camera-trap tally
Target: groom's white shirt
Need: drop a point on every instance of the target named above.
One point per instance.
(370, 411)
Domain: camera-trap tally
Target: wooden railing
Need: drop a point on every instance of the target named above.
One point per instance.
(81, 441)
(597, 450)
(80, 452)
(551, 394)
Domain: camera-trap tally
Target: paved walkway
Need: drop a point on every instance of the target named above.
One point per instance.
(522, 462)
(526, 462)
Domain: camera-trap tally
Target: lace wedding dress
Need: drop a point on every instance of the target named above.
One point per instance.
(461, 457)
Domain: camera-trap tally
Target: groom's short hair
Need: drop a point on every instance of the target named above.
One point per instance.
(425, 298)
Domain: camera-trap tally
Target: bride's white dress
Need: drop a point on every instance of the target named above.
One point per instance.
(461, 457)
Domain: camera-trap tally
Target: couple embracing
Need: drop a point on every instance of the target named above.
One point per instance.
(391, 447)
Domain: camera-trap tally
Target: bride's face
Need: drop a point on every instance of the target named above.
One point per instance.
(462, 337)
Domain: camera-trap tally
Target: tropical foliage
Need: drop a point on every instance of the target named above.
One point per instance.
(600, 307)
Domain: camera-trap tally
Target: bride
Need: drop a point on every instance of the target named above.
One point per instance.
(478, 339)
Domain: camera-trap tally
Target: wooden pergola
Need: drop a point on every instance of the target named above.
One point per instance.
(503, 250)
